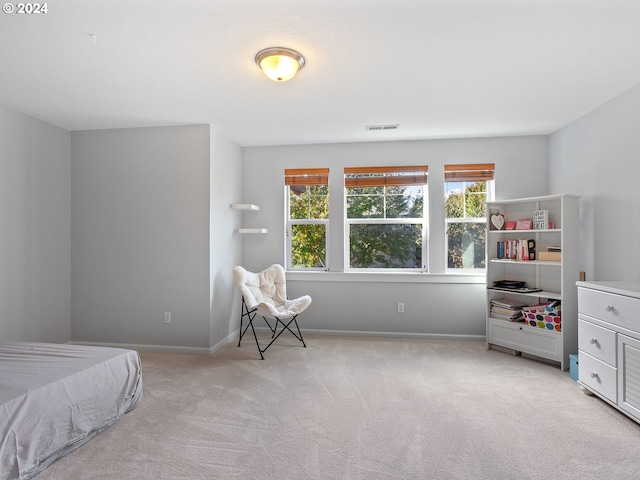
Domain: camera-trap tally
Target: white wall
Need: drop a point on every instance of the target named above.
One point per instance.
(435, 304)
(34, 230)
(140, 236)
(597, 157)
(225, 246)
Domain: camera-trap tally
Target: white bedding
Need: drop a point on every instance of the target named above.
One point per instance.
(53, 398)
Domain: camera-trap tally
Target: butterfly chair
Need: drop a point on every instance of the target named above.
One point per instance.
(265, 293)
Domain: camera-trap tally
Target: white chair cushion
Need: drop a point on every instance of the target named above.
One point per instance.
(267, 292)
(289, 309)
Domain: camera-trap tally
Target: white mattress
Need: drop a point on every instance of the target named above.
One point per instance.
(53, 398)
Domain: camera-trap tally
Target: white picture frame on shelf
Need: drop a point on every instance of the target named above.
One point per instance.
(541, 219)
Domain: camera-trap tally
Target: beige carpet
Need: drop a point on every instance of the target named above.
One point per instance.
(359, 408)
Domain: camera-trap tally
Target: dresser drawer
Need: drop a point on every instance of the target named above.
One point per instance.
(598, 376)
(597, 341)
(609, 307)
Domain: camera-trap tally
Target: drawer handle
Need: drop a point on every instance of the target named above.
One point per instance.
(594, 374)
(609, 308)
(593, 341)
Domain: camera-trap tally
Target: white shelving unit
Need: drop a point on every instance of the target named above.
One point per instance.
(248, 207)
(555, 279)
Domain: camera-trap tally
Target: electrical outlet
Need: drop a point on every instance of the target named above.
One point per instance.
(401, 308)
(167, 317)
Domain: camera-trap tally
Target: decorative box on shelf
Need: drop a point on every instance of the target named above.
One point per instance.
(543, 316)
(550, 256)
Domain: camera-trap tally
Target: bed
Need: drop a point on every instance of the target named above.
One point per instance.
(54, 398)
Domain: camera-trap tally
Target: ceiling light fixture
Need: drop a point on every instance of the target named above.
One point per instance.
(279, 64)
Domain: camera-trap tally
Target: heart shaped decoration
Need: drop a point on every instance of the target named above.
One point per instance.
(497, 221)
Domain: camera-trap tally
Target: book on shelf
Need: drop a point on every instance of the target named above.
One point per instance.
(506, 303)
(506, 317)
(519, 250)
(506, 309)
(516, 290)
(513, 286)
(505, 312)
(509, 283)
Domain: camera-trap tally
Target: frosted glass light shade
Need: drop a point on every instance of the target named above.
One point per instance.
(279, 64)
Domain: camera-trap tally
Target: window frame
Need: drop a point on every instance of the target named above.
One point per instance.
(386, 176)
(467, 174)
(305, 177)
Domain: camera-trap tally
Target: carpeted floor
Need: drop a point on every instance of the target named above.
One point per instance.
(359, 408)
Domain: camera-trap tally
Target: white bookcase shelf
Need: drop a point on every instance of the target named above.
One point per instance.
(539, 294)
(555, 280)
(529, 262)
(248, 207)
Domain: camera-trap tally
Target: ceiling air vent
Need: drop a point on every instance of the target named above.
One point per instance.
(394, 126)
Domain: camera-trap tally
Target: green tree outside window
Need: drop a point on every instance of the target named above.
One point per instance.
(385, 217)
(308, 240)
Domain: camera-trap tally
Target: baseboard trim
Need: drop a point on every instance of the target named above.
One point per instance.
(224, 342)
(167, 348)
(148, 348)
(234, 335)
(359, 333)
(423, 336)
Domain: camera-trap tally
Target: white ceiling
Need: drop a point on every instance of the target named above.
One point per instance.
(439, 68)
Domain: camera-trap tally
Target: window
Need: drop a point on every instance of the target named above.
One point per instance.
(468, 187)
(307, 217)
(385, 217)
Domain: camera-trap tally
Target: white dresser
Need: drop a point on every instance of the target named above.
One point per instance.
(609, 343)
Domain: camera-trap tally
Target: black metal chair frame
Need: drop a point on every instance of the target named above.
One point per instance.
(251, 314)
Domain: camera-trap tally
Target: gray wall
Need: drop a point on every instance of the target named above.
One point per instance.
(112, 228)
(225, 247)
(34, 230)
(140, 236)
(597, 157)
(435, 303)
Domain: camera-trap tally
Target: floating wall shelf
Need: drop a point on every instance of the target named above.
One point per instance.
(245, 206)
(249, 207)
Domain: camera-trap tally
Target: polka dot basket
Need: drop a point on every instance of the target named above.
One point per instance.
(545, 316)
